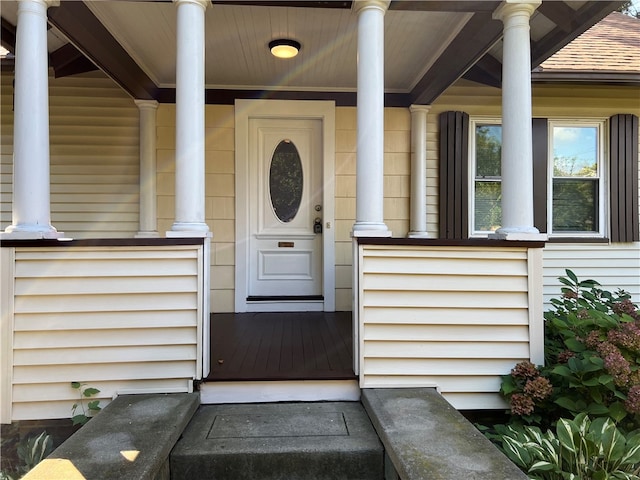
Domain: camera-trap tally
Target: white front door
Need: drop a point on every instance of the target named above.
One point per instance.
(285, 212)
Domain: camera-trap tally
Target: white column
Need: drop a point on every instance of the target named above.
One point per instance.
(31, 217)
(190, 195)
(370, 118)
(148, 214)
(418, 220)
(517, 146)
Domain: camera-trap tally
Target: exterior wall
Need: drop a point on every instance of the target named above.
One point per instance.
(94, 157)
(452, 317)
(220, 195)
(219, 191)
(613, 265)
(120, 319)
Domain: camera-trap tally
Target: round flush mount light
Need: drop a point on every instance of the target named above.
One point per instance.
(284, 48)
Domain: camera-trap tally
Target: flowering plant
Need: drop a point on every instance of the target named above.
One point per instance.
(592, 360)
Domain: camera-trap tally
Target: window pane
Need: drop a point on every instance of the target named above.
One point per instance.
(285, 181)
(488, 150)
(575, 205)
(575, 152)
(488, 210)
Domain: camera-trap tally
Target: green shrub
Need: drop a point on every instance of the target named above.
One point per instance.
(592, 360)
(579, 449)
(31, 451)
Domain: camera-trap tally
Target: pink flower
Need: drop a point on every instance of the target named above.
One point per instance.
(618, 368)
(632, 404)
(525, 369)
(521, 404)
(538, 388)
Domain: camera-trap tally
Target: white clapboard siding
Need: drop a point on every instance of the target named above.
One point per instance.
(123, 319)
(94, 157)
(615, 266)
(456, 318)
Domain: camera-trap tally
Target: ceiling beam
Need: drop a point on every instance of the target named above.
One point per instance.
(583, 19)
(476, 38)
(84, 30)
(488, 71)
(8, 35)
(473, 6)
(559, 13)
(68, 60)
(283, 3)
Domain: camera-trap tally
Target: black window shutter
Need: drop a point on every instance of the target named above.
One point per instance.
(540, 135)
(454, 171)
(623, 134)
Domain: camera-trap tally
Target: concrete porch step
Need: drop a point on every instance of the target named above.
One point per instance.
(331, 440)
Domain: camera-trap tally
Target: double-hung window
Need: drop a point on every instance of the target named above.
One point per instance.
(486, 149)
(575, 190)
(576, 179)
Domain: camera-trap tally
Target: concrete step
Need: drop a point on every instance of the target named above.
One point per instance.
(279, 441)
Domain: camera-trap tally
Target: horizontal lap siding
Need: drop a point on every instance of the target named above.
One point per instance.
(455, 318)
(118, 319)
(615, 266)
(94, 157)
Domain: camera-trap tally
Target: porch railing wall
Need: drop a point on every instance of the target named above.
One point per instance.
(120, 316)
(451, 315)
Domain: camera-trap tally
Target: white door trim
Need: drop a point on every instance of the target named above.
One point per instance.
(307, 109)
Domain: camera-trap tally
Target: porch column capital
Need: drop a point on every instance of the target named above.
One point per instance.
(360, 5)
(146, 104)
(418, 204)
(31, 209)
(517, 144)
(516, 10)
(202, 3)
(418, 109)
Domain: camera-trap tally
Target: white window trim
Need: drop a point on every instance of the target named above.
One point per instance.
(473, 122)
(603, 191)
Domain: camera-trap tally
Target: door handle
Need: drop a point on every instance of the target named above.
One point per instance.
(317, 225)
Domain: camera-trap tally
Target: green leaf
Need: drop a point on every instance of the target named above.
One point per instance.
(88, 392)
(565, 435)
(79, 419)
(542, 466)
(76, 384)
(575, 345)
(572, 276)
(563, 371)
(617, 411)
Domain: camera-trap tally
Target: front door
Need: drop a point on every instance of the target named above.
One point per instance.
(285, 212)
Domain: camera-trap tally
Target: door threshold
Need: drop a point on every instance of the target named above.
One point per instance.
(286, 306)
(280, 391)
(284, 298)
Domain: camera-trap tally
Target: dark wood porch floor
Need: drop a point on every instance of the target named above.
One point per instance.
(281, 346)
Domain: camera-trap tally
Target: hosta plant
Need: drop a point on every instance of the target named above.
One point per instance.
(580, 449)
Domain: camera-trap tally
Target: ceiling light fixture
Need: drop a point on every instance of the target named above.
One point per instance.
(284, 48)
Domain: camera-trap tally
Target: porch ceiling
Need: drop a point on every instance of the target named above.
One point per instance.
(428, 45)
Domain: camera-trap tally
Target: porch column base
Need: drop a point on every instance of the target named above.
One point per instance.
(147, 235)
(188, 234)
(15, 233)
(363, 231)
(418, 235)
(522, 236)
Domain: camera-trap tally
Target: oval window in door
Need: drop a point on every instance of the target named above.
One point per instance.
(285, 181)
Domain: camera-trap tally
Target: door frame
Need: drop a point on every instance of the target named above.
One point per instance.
(284, 109)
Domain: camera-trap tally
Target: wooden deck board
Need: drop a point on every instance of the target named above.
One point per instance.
(281, 346)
